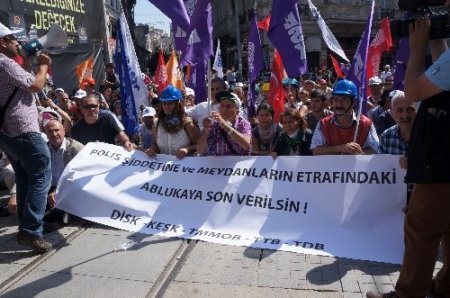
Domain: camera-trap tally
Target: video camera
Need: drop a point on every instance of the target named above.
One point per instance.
(437, 12)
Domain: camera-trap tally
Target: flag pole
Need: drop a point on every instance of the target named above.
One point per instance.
(208, 74)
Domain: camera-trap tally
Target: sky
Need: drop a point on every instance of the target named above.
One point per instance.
(147, 13)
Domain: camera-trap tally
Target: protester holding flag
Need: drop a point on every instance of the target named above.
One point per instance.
(336, 134)
(174, 132)
(202, 110)
(225, 132)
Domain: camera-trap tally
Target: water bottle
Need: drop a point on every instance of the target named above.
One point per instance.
(125, 246)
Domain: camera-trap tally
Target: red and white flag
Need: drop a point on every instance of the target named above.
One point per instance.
(382, 42)
(161, 78)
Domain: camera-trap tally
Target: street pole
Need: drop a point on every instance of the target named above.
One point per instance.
(238, 38)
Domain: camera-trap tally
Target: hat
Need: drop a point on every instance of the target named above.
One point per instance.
(387, 66)
(48, 114)
(171, 93)
(148, 112)
(57, 90)
(88, 81)
(80, 94)
(375, 81)
(239, 84)
(4, 31)
(221, 95)
(292, 82)
(265, 87)
(190, 91)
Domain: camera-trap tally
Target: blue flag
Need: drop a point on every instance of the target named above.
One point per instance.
(286, 35)
(358, 71)
(199, 44)
(255, 64)
(133, 91)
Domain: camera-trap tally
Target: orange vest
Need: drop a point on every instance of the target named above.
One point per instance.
(335, 135)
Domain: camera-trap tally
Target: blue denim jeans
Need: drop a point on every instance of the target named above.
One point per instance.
(30, 158)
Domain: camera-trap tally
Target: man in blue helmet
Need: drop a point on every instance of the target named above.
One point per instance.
(339, 133)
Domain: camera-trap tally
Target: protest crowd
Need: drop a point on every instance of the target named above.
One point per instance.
(45, 126)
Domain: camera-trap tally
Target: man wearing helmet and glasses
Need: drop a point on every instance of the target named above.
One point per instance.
(335, 134)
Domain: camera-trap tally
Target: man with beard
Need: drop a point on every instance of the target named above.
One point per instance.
(335, 134)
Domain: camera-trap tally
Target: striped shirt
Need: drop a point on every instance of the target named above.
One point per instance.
(22, 115)
(57, 161)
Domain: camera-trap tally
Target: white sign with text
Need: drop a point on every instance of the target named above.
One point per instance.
(346, 206)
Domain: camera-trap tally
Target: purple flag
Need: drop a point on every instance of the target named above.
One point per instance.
(200, 43)
(198, 81)
(176, 12)
(286, 35)
(255, 64)
(357, 73)
(400, 65)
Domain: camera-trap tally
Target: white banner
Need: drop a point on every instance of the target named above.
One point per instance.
(346, 206)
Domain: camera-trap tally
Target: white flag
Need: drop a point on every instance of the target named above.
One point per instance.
(217, 66)
(327, 35)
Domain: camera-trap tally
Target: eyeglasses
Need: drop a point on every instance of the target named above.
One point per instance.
(87, 107)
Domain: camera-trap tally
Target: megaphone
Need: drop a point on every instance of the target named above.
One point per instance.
(55, 38)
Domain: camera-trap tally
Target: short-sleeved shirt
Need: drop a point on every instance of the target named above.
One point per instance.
(104, 130)
(22, 115)
(216, 139)
(439, 72)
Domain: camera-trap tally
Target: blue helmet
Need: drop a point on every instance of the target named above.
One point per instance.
(170, 93)
(288, 81)
(345, 88)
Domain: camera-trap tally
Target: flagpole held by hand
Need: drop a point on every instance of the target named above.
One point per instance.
(208, 74)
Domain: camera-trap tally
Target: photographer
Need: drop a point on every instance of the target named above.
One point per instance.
(427, 222)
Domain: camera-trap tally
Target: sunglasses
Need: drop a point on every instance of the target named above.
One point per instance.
(87, 107)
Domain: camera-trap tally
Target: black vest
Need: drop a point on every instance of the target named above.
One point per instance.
(429, 149)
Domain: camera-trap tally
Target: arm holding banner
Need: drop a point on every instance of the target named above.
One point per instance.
(125, 141)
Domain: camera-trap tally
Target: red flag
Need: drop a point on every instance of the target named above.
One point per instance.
(264, 23)
(161, 78)
(276, 92)
(337, 68)
(381, 42)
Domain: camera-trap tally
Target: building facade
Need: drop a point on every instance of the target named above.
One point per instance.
(345, 18)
